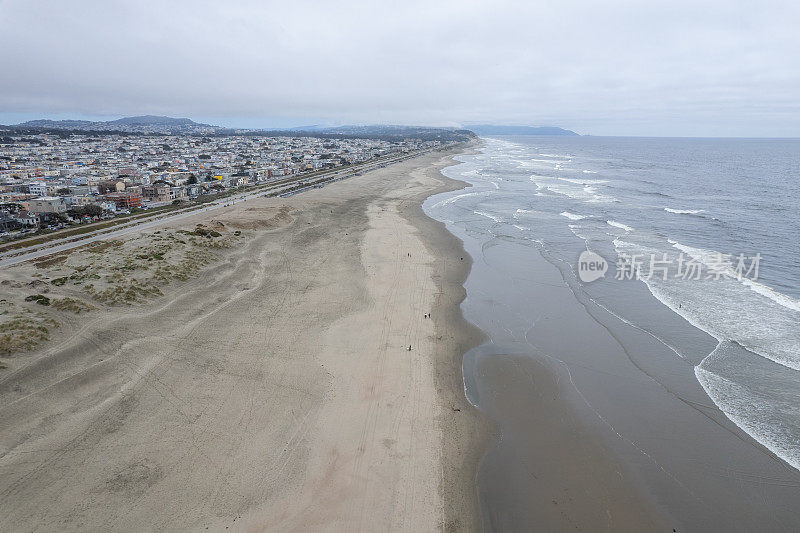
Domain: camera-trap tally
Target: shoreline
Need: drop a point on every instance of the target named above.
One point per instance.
(544, 464)
(271, 391)
(469, 435)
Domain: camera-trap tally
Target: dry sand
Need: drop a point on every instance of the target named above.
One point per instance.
(260, 384)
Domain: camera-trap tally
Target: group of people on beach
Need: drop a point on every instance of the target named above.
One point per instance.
(426, 315)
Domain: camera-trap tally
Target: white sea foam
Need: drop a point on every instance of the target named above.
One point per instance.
(777, 297)
(708, 256)
(619, 225)
(577, 230)
(583, 181)
(765, 410)
(572, 216)
(576, 189)
(762, 320)
(590, 172)
(549, 160)
(489, 215)
(597, 197)
(457, 197)
(538, 163)
(684, 211)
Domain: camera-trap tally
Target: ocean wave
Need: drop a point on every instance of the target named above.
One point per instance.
(539, 163)
(577, 231)
(457, 197)
(753, 315)
(589, 171)
(566, 187)
(597, 197)
(766, 408)
(708, 256)
(619, 225)
(550, 160)
(777, 297)
(583, 182)
(684, 211)
(489, 215)
(573, 216)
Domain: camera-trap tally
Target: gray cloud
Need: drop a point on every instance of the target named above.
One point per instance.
(615, 67)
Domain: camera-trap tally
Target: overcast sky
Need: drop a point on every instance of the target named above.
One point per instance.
(637, 67)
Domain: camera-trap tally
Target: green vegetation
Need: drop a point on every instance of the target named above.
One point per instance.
(72, 304)
(139, 267)
(24, 330)
(39, 299)
(205, 232)
(135, 291)
(110, 273)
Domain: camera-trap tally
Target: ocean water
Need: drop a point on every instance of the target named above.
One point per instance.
(675, 202)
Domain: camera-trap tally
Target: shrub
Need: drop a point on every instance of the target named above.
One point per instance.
(39, 299)
(72, 304)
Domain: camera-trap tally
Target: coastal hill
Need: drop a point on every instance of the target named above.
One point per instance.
(488, 129)
(140, 124)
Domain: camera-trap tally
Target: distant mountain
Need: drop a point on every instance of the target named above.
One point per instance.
(66, 124)
(153, 120)
(487, 129)
(141, 124)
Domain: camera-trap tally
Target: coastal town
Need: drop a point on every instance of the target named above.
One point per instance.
(51, 180)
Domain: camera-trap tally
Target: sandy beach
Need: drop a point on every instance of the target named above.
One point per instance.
(254, 374)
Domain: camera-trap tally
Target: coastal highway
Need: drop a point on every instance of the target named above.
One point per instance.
(286, 186)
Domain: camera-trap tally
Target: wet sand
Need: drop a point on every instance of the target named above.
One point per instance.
(602, 427)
